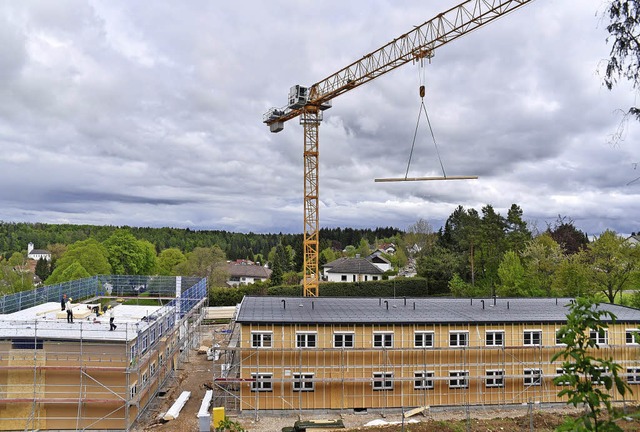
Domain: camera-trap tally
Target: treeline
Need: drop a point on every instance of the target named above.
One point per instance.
(14, 237)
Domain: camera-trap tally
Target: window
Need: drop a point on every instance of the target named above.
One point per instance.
(161, 358)
(145, 378)
(632, 336)
(423, 339)
(261, 339)
(26, 344)
(533, 337)
(306, 340)
(558, 338)
(423, 380)
(494, 338)
(261, 382)
(343, 340)
(633, 375)
(533, 377)
(597, 379)
(303, 382)
(133, 390)
(383, 380)
(494, 378)
(383, 340)
(343, 278)
(458, 379)
(457, 338)
(153, 368)
(144, 343)
(559, 373)
(599, 337)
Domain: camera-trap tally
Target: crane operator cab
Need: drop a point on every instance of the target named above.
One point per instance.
(298, 96)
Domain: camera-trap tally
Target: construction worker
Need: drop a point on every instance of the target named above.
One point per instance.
(63, 302)
(69, 311)
(112, 326)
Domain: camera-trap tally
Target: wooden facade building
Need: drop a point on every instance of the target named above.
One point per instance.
(370, 353)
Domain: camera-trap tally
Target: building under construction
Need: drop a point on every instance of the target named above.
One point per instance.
(370, 353)
(80, 375)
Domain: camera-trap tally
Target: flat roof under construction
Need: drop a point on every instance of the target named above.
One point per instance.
(47, 321)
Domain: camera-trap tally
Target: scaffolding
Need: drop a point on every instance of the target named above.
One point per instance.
(81, 376)
(254, 380)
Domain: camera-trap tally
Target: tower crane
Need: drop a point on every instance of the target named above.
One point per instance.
(309, 103)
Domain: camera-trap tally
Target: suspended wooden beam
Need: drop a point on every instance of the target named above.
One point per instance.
(403, 179)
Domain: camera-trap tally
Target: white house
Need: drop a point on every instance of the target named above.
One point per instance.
(634, 239)
(380, 261)
(245, 273)
(36, 254)
(351, 270)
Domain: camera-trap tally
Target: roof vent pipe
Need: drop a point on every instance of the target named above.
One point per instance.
(414, 305)
(494, 300)
(556, 301)
(482, 301)
(313, 305)
(507, 305)
(405, 301)
(284, 303)
(472, 302)
(380, 301)
(386, 303)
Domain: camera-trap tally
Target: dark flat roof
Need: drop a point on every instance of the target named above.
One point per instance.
(360, 310)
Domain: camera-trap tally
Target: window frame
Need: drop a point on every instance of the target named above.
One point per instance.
(383, 343)
(307, 339)
(494, 378)
(531, 333)
(534, 375)
(633, 375)
(596, 336)
(423, 380)
(457, 334)
(635, 336)
(423, 334)
(559, 373)
(303, 382)
(261, 341)
(262, 382)
(493, 333)
(383, 381)
(344, 342)
(460, 377)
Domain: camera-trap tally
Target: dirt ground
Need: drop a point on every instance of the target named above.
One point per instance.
(197, 371)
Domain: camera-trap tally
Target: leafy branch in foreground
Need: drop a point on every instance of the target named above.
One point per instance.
(584, 375)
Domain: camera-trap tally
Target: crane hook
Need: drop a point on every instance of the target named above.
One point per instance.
(422, 91)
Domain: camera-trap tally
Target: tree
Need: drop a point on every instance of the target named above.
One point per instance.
(624, 58)
(205, 262)
(42, 269)
(90, 254)
(512, 276)
(541, 259)
(583, 374)
(168, 261)
(571, 278)
(438, 268)
(613, 264)
(570, 239)
(127, 255)
(419, 234)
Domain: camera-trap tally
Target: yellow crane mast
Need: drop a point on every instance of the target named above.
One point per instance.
(308, 103)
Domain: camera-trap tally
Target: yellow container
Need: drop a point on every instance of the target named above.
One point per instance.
(218, 416)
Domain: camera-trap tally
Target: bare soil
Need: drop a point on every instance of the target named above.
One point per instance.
(196, 373)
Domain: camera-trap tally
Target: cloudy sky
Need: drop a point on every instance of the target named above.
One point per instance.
(150, 114)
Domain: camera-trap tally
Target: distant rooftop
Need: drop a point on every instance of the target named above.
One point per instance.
(358, 310)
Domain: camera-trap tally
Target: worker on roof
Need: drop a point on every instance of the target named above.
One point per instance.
(63, 302)
(69, 311)
(112, 326)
